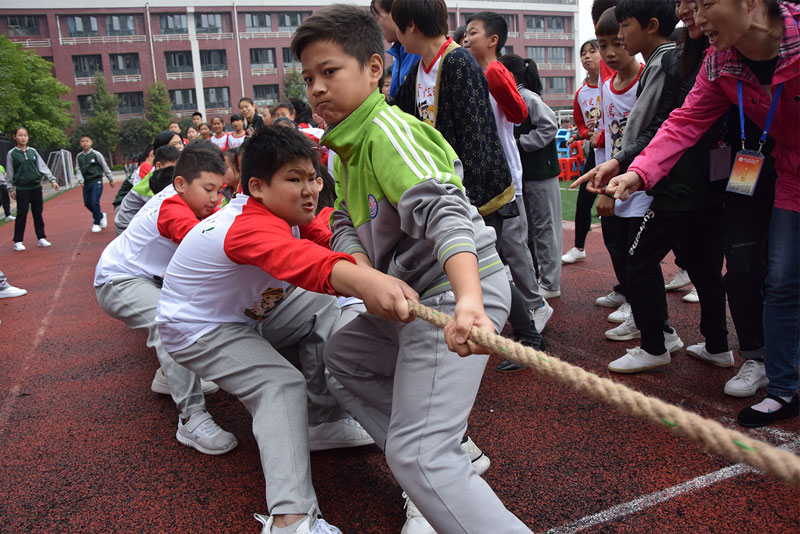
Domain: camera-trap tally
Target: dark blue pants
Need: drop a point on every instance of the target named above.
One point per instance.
(91, 199)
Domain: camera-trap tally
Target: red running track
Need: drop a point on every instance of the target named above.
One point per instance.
(86, 447)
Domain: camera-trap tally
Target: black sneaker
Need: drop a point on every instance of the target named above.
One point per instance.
(508, 366)
(751, 418)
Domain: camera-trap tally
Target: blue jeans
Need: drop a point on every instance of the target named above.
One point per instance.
(782, 304)
(91, 199)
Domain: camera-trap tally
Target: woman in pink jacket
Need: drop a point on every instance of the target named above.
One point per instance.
(755, 64)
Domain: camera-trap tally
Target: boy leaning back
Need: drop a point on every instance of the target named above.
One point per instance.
(401, 209)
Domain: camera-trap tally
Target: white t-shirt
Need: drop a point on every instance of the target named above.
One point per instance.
(505, 130)
(234, 141)
(221, 142)
(426, 87)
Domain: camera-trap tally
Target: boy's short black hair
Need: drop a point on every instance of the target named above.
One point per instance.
(161, 178)
(174, 122)
(269, 149)
(493, 24)
(384, 5)
(599, 7)
(197, 114)
(84, 135)
(286, 104)
(429, 16)
(237, 117)
(644, 10)
(607, 25)
(199, 156)
(350, 27)
(166, 153)
(459, 34)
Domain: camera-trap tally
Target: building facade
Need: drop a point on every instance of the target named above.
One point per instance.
(210, 53)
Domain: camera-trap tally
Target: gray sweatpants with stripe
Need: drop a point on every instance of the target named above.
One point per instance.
(517, 255)
(134, 302)
(414, 396)
(261, 368)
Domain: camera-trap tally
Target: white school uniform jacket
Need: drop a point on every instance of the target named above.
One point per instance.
(237, 266)
(144, 249)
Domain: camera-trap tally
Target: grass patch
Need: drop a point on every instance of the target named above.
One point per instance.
(568, 199)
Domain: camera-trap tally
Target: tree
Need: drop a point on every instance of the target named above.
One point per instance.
(158, 108)
(30, 96)
(103, 123)
(135, 135)
(293, 86)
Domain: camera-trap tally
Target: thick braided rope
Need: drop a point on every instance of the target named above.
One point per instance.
(707, 433)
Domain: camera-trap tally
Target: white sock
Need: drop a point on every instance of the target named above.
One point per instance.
(769, 405)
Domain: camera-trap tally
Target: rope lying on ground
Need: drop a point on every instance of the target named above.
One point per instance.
(709, 434)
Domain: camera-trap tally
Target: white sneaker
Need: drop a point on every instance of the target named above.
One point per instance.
(415, 522)
(12, 291)
(573, 255)
(18, 246)
(201, 433)
(691, 296)
(541, 316)
(672, 342)
(337, 435)
(621, 314)
(550, 293)
(10, 218)
(480, 462)
(104, 221)
(681, 279)
(627, 330)
(751, 376)
(720, 359)
(44, 243)
(637, 360)
(96, 228)
(161, 385)
(312, 524)
(612, 300)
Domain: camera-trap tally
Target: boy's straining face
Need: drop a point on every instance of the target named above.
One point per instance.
(202, 194)
(478, 43)
(632, 36)
(292, 193)
(612, 51)
(86, 143)
(336, 82)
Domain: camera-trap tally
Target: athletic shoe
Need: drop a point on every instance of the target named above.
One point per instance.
(18, 246)
(10, 218)
(621, 314)
(637, 360)
(160, 384)
(12, 291)
(312, 524)
(691, 296)
(415, 522)
(612, 300)
(541, 316)
(96, 228)
(672, 342)
(104, 221)
(681, 279)
(627, 330)
(720, 359)
(550, 293)
(573, 255)
(480, 462)
(201, 433)
(751, 376)
(751, 418)
(337, 435)
(44, 243)
(509, 366)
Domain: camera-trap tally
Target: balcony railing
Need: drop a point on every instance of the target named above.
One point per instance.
(214, 36)
(103, 39)
(218, 111)
(263, 71)
(130, 113)
(513, 35)
(289, 67)
(264, 35)
(557, 96)
(266, 102)
(171, 37)
(215, 74)
(552, 36)
(556, 66)
(33, 43)
(179, 113)
(180, 75)
(126, 78)
(84, 80)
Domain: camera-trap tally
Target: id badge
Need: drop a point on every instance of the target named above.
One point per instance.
(719, 163)
(744, 175)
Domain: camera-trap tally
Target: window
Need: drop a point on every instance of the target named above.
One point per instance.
(217, 97)
(183, 99)
(556, 24)
(178, 61)
(262, 58)
(511, 21)
(266, 95)
(556, 85)
(534, 23)
(119, 25)
(258, 22)
(213, 60)
(124, 64)
(83, 26)
(506, 50)
(452, 22)
(536, 53)
(19, 25)
(208, 22)
(288, 22)
(464, 17)
(85, 105)
(174, 23)
(289, 61)
(130, 103)
(556, 55)
(87, 66)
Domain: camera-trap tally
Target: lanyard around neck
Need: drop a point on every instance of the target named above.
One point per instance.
(776, 96)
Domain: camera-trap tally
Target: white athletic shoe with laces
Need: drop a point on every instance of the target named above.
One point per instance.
(573, 255)
(720, 359)
(18, 246)
(337, 435)
(637, 360)
(11, 291)
(312, 524)
(96, 228)
(681, 279)
(415, 521)
(201, 433)
(612, 300)
(751, 376)
(44, 243)
(541, 316)
(620, 314)
(627, 330)
(691, 296)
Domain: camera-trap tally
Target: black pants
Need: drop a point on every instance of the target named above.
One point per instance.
(699, 236)
(583, 206)
(5, 200)
(618, 235)
(32, 197)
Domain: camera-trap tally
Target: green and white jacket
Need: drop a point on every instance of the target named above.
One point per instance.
(400, 199)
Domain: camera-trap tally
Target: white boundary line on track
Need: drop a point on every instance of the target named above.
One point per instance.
(5, 409)
(792, 445)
